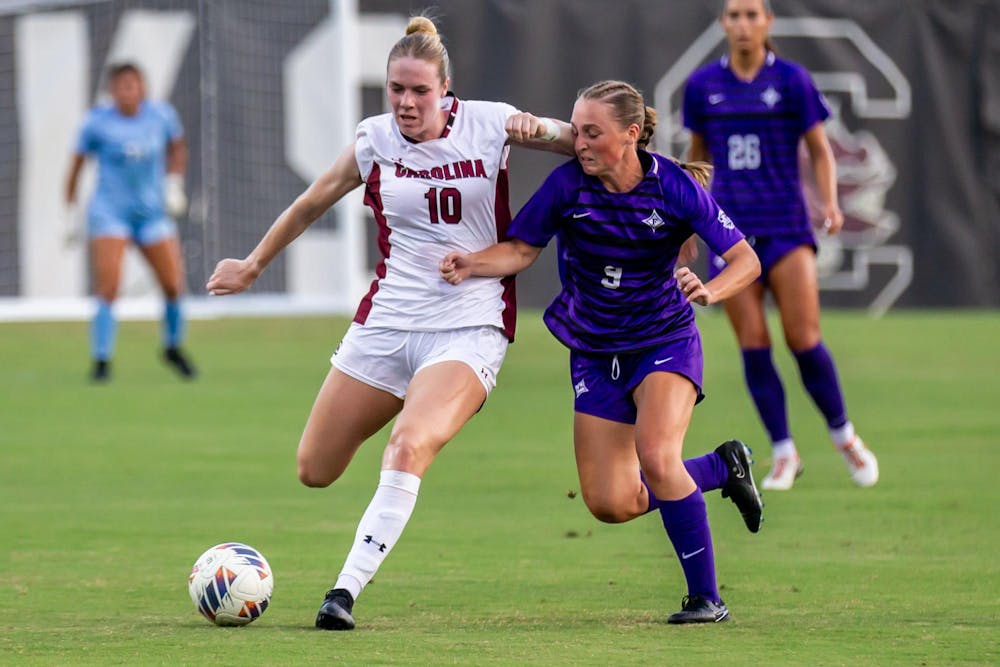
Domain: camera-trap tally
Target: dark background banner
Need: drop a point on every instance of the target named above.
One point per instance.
(921, 182)
(916, 86)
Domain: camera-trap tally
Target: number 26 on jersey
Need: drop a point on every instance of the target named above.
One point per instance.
(744, 151)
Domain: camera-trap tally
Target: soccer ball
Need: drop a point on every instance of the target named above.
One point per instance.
(231, 584)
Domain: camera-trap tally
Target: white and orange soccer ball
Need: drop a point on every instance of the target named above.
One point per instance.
(231, 584)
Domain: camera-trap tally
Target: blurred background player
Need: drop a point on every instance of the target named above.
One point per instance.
(435, 176)
(747, 113)
(620, 215)
(141, 157)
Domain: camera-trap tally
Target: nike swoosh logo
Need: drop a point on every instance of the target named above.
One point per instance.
(738, 468)
(581, 215)
(685, 556)
(661, 361)
(715, 99)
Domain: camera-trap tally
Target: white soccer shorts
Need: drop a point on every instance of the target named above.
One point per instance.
(389, 358)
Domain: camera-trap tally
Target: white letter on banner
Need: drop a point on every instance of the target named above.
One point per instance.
(53, 60)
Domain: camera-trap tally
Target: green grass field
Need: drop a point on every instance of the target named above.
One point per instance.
(108, 494)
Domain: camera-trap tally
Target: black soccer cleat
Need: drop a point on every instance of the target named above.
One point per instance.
(335, 614)
(696, 609)
(101, 372)
(179, 362)
(740, 487)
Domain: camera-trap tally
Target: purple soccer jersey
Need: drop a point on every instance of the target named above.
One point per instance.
(618, 251)
(752, 131)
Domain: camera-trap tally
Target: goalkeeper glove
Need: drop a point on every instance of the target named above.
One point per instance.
(174, 198)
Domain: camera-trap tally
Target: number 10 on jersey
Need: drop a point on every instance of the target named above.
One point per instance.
(444, 205)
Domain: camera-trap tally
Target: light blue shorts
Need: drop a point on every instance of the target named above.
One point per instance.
(144, 231)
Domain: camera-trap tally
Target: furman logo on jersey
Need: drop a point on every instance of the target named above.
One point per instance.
(654, 221)
(770, 97)
(445, 172)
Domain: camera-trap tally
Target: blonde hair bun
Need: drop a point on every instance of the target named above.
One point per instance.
(421, 24)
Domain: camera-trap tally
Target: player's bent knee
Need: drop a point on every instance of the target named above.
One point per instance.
(610, 515)
(314, 478)
(317, 474)
(311, 477)
(409, 451)
(753, 341)
(606, 510)
(801, 341)
(670, 475)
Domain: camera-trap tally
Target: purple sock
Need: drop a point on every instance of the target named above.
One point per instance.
(709, 472)
(686, 522)
(819, 375)
(767, 391)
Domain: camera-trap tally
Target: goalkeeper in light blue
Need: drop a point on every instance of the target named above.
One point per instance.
(141, 157)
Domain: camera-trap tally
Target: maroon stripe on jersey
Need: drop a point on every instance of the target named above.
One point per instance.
(451, 118)
(373, 199)
(501, 213)
(447, 125)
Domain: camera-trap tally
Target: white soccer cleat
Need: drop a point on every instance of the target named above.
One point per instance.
(784, 471)
(861, 463)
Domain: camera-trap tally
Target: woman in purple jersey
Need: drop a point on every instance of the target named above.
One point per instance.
(621, 215)
(747, 114)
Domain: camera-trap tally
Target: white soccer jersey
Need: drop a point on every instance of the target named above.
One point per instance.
(430, 198)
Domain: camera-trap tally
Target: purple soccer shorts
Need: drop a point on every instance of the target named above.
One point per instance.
(603, 382)
(769, 249)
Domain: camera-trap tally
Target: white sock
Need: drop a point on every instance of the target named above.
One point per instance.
(843, 435)
(784, 448)
(379, 529)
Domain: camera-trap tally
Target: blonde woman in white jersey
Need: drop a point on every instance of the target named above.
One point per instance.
(419, 350)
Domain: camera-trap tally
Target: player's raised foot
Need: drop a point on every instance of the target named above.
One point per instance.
(335, 614)
(861, 463)
(784, 471)
(177, 360)
(740, 487)
(696, 609)
(101, 371)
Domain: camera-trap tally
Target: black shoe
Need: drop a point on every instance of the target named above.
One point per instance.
(699, 610)
(176, 359)
(740, 487)
(335, 614)
(101, 372)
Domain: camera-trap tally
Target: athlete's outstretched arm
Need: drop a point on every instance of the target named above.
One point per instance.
(825, 169)
(177, 156)
(174, 198)
(742, 268)
(502, 259)
(235, 275)
(697, 152)
(73, 176)
(544, 134)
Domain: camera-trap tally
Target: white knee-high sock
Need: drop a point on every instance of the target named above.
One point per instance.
(379, 529)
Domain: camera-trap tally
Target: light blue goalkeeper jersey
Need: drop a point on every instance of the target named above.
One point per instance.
(131, 157)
